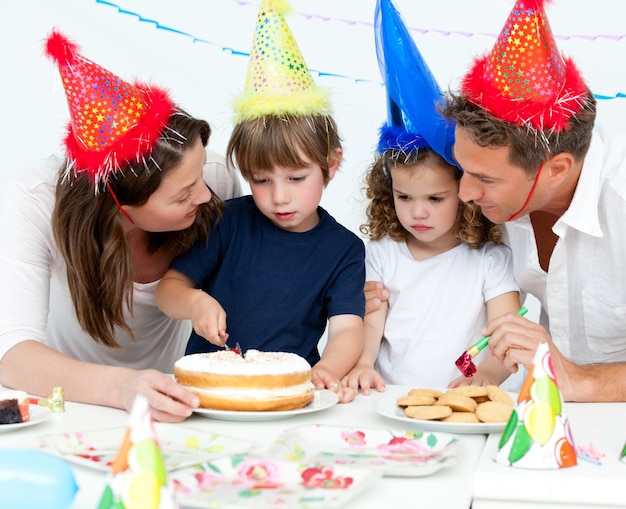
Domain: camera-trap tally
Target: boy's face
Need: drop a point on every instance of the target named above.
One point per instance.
(290, 197)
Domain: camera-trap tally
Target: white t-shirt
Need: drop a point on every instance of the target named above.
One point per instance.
(35, 301)
(436, 307)
(583, 294)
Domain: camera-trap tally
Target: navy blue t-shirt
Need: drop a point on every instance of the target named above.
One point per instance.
(278, 288)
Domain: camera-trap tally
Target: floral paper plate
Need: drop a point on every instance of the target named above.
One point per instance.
(180, 446)
(394, 452)
(261, 483)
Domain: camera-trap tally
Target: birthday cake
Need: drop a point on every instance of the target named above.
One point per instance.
(255, 381)
(13, 407)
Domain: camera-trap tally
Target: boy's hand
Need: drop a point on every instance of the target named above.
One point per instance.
(209, 319)
(323, 379)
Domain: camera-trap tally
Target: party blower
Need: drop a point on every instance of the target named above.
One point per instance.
(465, 363)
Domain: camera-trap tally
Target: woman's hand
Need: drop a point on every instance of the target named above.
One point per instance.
(169, 401)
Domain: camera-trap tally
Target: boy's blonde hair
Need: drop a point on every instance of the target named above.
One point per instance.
(284, 141)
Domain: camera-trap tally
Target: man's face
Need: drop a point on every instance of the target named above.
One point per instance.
(498, 187)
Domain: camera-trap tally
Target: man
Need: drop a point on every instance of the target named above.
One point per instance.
(533, 162)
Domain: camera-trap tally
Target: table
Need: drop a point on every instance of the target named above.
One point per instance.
(448, 488)
(594, 426)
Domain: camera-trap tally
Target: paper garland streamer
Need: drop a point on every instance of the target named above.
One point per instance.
(160, 26)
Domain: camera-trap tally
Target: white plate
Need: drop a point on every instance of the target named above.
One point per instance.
(395, 452)
(387, 406)
(323, 399)
(264, 483)
(180, 446)
(37, 413)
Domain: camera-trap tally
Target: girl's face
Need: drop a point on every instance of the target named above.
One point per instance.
(173, 206)
(289, 197)
(427, 204)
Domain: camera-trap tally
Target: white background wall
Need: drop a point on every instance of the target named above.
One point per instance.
(198, 49)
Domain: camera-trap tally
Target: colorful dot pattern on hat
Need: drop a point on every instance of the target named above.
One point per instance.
(277, 67)
(525, 63)
(103, 107)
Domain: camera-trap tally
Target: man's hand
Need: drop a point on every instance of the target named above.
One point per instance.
(375, 294)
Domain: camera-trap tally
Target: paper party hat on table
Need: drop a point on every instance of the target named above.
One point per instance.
(138, 478)
(278, 80)
(538, 433)
(525, 80)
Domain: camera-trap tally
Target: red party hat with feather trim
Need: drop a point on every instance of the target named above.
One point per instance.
(525, 80)
(112, 122)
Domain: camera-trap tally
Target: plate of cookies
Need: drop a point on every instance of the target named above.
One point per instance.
(468, 409)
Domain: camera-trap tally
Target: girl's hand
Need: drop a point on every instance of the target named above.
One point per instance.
(364, 377)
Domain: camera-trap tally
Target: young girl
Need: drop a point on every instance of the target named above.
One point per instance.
(439, 258)
(446, 275)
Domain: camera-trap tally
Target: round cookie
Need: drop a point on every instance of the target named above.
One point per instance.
(461, 417)
(457, 402)
(494, 411)
(415, 400)
(496, 394)
(435, 393)
(428, 413)
(473, 391)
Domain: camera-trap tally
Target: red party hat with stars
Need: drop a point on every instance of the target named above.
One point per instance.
(525, 80)
(112, 122)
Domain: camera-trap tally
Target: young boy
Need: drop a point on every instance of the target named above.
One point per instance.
(278, 265)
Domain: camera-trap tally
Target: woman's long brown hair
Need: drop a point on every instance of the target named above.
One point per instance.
(88, 232)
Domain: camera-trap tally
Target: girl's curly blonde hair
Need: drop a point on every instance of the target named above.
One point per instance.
(471, 226)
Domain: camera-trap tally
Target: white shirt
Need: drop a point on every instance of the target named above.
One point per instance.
(437, 307)
(583, 294)
(35, 301)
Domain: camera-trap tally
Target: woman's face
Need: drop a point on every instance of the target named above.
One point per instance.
(173, 206)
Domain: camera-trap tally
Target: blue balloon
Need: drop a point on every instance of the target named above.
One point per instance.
(32, 479)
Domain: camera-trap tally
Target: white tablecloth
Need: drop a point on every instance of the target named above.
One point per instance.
(596, 482)
(448, 488)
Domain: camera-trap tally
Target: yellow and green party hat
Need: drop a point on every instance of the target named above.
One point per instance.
(138, 479)
(278, 80)
(538, 433)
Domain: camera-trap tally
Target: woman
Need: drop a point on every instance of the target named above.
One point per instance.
(80, 258)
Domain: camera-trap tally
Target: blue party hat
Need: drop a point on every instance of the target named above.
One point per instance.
(413, 94)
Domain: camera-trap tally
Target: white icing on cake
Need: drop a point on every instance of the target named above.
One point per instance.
(234, 393)
(253, 362)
